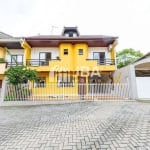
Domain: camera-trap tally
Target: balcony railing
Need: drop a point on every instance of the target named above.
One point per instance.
(38, 62)
(104, 61)
(12, 64)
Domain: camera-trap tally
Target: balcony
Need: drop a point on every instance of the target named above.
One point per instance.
(57, 64)
(38, 62)
(103, 64)
(13, 64)
(42, 64)
(103, 61)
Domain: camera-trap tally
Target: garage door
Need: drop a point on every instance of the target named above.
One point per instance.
(143, 87)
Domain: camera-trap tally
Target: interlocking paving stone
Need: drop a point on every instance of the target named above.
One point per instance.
(90, 125)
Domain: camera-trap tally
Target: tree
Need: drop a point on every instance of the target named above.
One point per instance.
(127, 56)
(20, 74)
(16, 76)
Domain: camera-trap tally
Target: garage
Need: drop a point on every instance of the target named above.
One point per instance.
(142, 73)
(137, 75)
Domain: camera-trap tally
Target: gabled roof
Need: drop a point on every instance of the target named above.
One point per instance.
(142, 66)
(4, 35)
(11, 43)
(145, 56)
(55, 40)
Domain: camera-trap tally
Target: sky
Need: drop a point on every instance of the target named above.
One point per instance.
(127, 19)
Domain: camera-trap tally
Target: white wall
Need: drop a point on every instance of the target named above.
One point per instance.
(143, 87)
(35, 52)
(98, 49)
(127, 75)
(14, 52)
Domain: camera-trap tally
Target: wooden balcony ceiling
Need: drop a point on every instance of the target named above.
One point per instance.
(54, 41)
(11, 43)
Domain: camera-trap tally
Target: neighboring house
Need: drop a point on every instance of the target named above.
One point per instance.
(64, 60)
(4, 35)
(5, 40)
(138, 76)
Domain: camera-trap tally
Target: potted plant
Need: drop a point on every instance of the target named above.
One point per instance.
(57, 58)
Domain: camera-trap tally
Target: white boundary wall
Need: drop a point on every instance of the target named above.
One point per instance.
(127, 75)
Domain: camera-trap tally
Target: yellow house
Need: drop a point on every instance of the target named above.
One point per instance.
(65, 60)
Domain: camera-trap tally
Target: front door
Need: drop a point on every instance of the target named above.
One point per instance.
(0, 84)
(81, 85)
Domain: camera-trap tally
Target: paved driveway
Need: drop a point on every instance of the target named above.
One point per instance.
(89, 125)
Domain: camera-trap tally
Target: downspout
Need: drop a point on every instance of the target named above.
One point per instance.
(112, 51)
(27, 50)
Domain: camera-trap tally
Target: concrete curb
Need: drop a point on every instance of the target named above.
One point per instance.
(58, 102)
(147, 100)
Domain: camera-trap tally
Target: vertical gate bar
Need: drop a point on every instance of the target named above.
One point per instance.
(63, 92)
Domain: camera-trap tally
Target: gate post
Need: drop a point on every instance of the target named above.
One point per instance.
(3, 91)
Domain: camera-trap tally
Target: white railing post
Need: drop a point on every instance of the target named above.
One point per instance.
(3, 91)
(93, 92)
(63, 92)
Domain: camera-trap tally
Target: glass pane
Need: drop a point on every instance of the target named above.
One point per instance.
(19, 58)
(42, 55)
(59, 78)
(48, 56)
(102, 55)
(13, 57)
(65, 51)
(80, 51)
(96, 56)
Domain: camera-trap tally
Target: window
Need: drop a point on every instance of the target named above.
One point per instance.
(100, 57)
(80, 51)
(18, 58)
(65, 79)
(67, 34)
(74, 34)
(41, 82)
(70, 34)
(65, 51)
(44, 57)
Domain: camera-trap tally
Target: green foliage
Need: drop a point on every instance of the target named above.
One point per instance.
(127, 56)
(2, 60)
(20, 74)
